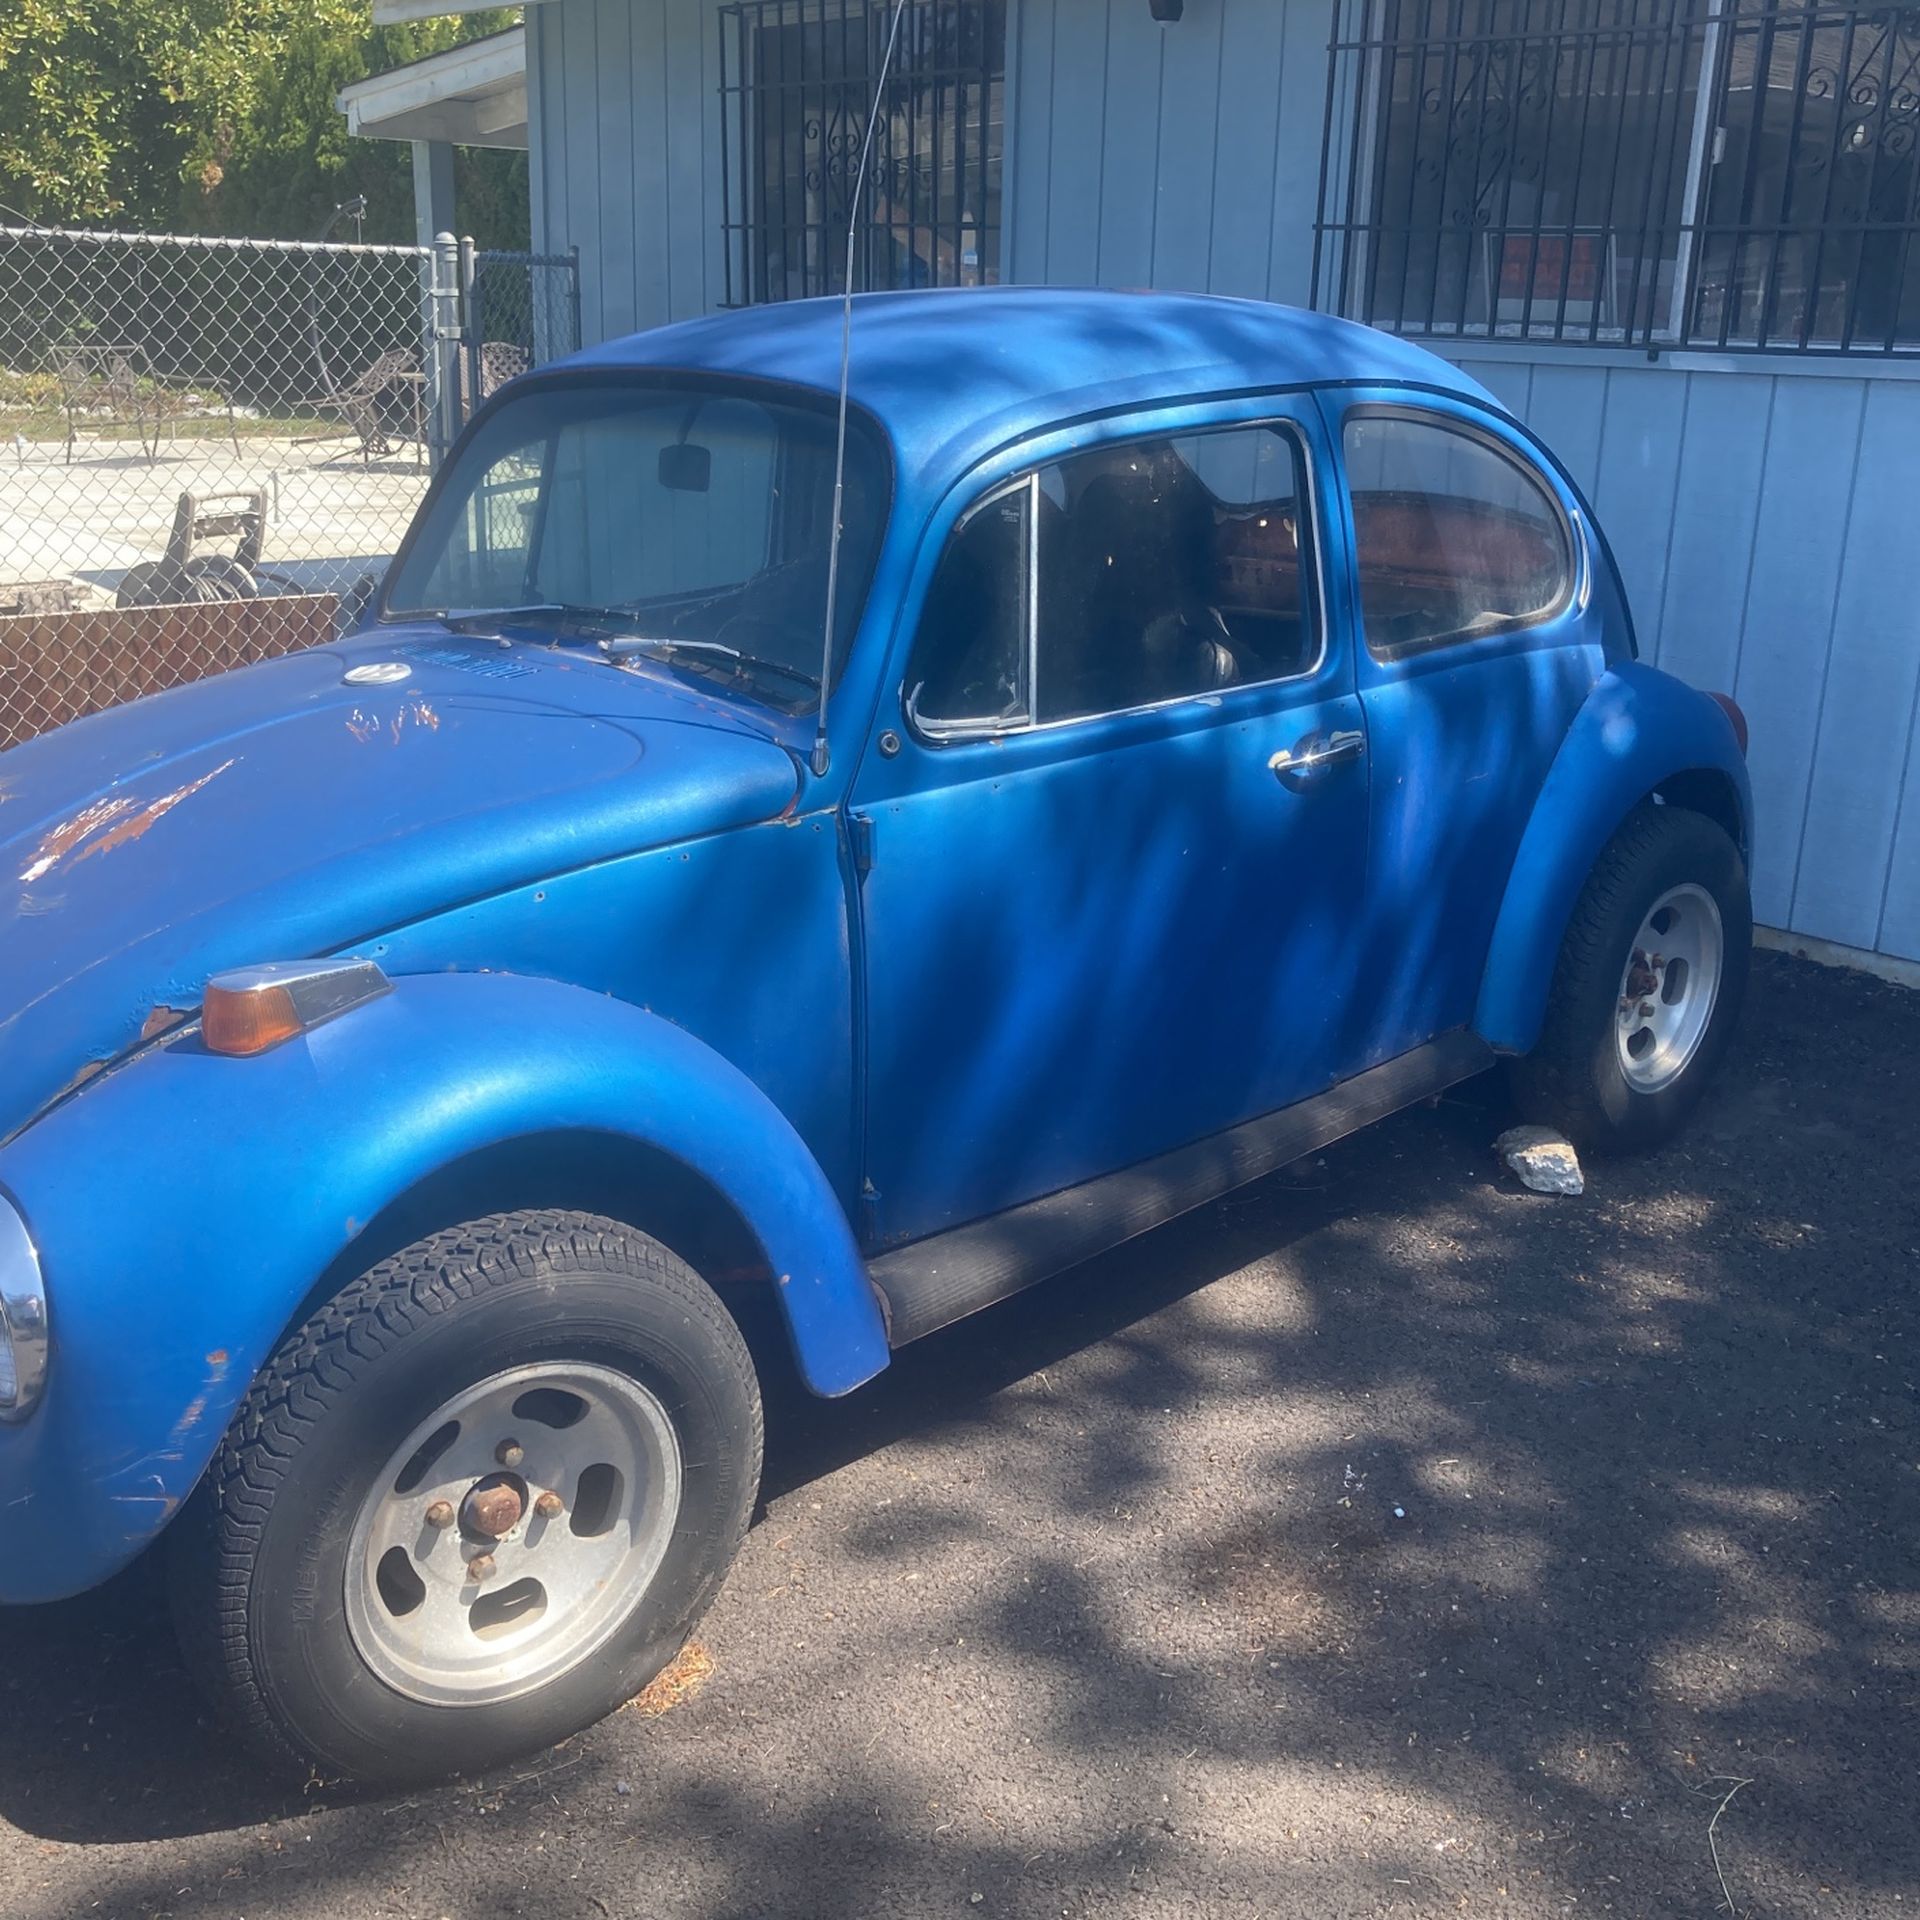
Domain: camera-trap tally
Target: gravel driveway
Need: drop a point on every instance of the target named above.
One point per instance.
(1385, 1540)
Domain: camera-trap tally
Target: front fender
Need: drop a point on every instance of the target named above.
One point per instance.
(184, 1205)
(1636, 730)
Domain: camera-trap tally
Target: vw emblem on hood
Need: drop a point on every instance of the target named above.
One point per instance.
(378, 673)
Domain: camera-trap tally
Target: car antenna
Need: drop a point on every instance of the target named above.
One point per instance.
(820, 753)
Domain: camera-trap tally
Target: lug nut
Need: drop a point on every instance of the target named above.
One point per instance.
(509, 1453)
(440, 1514)
(480, 1567)
(549, 1506)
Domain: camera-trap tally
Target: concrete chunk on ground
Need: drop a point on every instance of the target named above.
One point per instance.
(1544, 1160)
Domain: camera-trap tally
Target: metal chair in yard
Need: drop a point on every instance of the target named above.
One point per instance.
(367, 403)
(116, 386)
(110, 387)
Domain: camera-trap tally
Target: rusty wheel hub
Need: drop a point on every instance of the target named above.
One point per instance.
(493, 1508)
(564, 1480)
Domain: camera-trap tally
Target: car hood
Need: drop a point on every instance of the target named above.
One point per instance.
(308, 803)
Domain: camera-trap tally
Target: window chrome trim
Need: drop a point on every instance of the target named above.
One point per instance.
(1572, 545)
(1313, 519)
(23, 1309)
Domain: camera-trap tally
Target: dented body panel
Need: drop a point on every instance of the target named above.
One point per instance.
(864, 1006)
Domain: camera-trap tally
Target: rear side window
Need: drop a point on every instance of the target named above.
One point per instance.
(1454, 537)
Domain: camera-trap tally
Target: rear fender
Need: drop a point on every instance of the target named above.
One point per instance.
(184, 1206)
(1639, 732)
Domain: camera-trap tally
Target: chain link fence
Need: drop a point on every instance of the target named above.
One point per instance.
(225, 428)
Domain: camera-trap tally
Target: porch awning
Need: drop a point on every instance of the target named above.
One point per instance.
(471, 96)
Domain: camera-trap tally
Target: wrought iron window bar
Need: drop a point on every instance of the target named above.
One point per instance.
(1720, 174)
(796, 85)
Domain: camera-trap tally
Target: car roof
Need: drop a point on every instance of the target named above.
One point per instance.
(954, 373)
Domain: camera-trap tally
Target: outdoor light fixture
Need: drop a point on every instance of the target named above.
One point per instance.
(1167, 9)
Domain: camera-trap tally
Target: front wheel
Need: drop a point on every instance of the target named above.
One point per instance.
(476, 1502)
(1648, 986)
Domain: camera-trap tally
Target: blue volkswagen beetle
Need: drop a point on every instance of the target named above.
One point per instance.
(1213, 728)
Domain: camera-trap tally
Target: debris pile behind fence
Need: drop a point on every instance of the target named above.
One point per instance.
(204, 423)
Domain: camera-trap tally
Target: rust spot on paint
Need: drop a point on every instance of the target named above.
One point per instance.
(162, 1020)
(218, 1358)
(103, 825)
(61, 840)
(81, 1078)
(416, 710)
(136, 824)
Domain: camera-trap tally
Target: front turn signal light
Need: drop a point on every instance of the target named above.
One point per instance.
(252, 1009)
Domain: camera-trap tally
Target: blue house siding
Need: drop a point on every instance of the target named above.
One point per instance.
(1182, 157)
(624, 127)
(1762, 509)
(1763, 518)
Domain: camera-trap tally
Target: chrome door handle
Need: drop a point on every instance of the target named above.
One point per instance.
(1313, 753)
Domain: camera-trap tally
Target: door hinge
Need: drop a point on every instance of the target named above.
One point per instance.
(860, 839)
(869, 1214)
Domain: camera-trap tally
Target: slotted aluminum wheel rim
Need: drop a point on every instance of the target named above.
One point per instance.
(1668, 987)
(466, 1486)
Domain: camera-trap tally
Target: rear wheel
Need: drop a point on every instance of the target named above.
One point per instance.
(1648, 985)
(475, 1503)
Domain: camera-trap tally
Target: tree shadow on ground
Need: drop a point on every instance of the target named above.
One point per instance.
(1459, 1548)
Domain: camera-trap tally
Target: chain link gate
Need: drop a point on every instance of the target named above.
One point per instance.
(210, 448)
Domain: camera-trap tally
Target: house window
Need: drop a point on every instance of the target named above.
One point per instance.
(1718, 173)
(798, 79)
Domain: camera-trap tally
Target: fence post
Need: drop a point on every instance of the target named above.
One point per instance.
(573, 285)
(443, 361)
(472, 326)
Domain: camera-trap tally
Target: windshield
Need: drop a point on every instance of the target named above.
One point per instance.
(695, 516)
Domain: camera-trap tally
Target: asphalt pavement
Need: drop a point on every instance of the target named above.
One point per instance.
(1384, 1540)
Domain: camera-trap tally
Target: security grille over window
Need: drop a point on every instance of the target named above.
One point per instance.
(1730, 173)
(796, 85)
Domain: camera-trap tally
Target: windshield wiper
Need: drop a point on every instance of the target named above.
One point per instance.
(701, 653)
(558, 611)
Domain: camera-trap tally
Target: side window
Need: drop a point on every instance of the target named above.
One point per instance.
(1145, 571)
(1454, 538)
(1170, 568)
(969, 672)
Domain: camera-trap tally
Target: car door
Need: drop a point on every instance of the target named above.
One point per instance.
(1113, 822)
(1475, 644)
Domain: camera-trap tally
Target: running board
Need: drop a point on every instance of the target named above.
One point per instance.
(934, 1282)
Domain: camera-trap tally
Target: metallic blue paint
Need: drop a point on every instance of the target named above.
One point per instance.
(956, 374)
(1637, 729)
(1207, 912)
(1459, 740)
(278, 812)
(615, 902)
(166, 1302)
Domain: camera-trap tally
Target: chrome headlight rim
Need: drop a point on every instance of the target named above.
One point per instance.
(23, 1315)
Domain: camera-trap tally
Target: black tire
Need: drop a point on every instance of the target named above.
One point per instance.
(259, 1559)
(1574, 1079)
(219, 576)
(152, 583)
